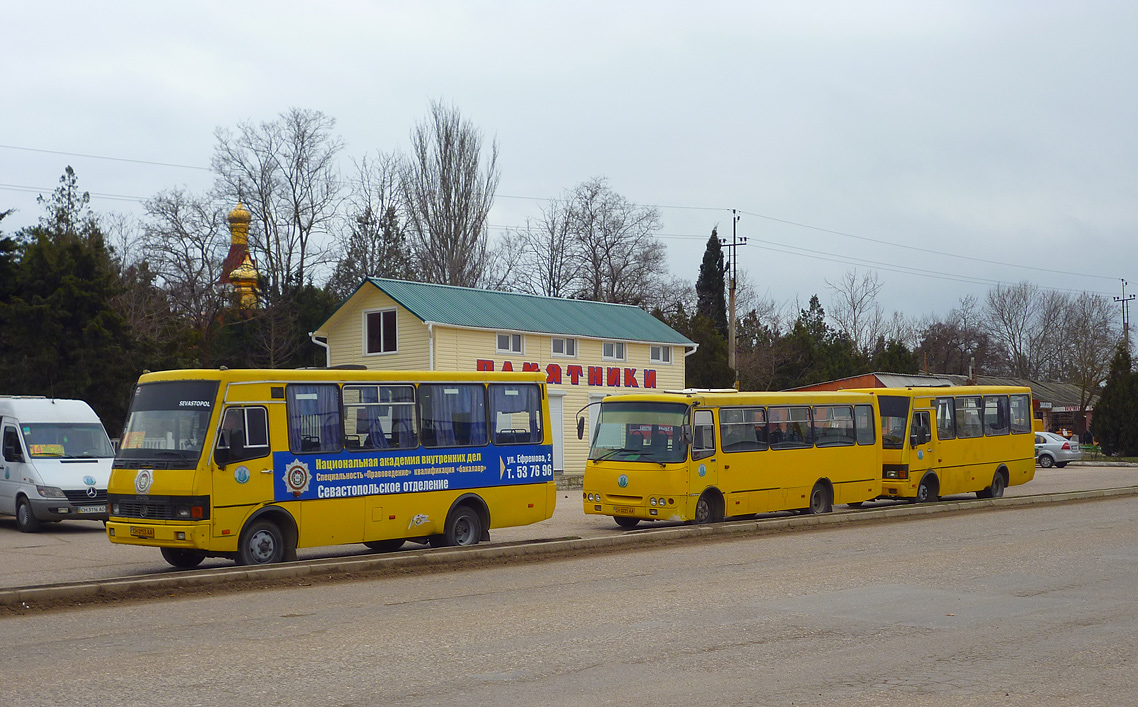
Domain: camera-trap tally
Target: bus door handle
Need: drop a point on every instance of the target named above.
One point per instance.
(266, 471)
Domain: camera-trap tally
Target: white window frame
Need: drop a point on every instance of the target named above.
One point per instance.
(365, 337)
(623, 351)
(521, 342)
(660, 349)
(566, 340)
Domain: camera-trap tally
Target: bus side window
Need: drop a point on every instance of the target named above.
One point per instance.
(1021, 414)
(996, 415)
(244, 435)
(703, 443)
(313, 418)
(945, 419)
(863, 423)
(515, 411)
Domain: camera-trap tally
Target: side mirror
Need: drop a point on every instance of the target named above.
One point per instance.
(221, 457)
(580, 428)
(686, 435)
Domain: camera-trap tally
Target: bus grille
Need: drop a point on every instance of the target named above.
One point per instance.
(148, 510)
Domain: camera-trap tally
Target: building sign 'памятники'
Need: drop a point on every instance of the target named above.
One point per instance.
(602, 376)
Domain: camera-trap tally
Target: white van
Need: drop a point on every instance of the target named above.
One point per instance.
(56, 461)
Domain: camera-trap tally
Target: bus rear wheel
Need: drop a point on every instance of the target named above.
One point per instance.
(182, 559)
(626, 521)
(262, 543)
(464, 527)
(819, 500)
(996, 490)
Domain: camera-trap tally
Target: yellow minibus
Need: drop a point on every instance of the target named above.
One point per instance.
(704, 456)
(952, 440)
(253, 464)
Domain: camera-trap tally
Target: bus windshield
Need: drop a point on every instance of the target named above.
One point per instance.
(894, 417)
(167, 424)
(81, 440)
(640, 432)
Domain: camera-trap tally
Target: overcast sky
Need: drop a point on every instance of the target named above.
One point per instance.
(948, 145)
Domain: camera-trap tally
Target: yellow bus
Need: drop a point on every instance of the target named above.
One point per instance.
(705, 456)
(253, 464)
(952, 440)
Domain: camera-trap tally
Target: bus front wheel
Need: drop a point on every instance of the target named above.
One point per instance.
(708, 509)
(182, 559)
(626, 521)
(927, 491)
(262, 543)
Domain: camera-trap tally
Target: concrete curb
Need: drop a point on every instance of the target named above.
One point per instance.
(230, 578)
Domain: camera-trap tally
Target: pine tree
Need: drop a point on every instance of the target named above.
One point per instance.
(1115, 422)
(710, 285)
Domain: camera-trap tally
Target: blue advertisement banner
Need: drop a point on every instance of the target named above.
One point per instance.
(346, 475)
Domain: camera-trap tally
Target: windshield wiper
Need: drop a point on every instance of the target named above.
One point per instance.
(613, 452)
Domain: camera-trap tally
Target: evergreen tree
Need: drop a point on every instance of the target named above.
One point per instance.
(1115, 422)
(813, 352)
(62, 337)
(711, 284)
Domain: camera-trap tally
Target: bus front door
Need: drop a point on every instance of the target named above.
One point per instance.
(922, 459)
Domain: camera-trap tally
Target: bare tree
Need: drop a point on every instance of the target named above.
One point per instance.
(376, 243)
(1021, 320)
(448, 192)
(854, 309)
(621, 261)
(185, 238)
(549, 252)
(1087, 341)
(958, 343)
(285, 173)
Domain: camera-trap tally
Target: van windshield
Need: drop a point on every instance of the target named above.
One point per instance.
(167, 424)
(640, 432)
(65, 440)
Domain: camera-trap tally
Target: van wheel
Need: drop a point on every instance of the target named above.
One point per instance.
(927, 491)
(262, 543)
(384, 545)
(464, 528)
(182, 559)
(626, 521)
(819, 500)
(26, 520)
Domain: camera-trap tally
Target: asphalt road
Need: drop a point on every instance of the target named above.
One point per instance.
(1026, 606)
(75, 551)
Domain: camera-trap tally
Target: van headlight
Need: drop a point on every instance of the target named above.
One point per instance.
(51, 492)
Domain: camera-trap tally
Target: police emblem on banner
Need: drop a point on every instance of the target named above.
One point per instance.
(297, 477)
(142, 481)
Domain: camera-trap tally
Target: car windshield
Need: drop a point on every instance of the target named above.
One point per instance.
(167, 424)
(64, 440)
(640, 432)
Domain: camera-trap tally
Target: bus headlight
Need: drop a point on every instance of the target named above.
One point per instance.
(652, 501)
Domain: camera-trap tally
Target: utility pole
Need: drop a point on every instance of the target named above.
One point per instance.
(732, 248)
(1125, 315)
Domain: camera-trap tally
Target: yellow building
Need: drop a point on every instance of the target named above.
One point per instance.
(586, 349)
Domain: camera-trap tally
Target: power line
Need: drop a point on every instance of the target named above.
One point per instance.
(104, 157)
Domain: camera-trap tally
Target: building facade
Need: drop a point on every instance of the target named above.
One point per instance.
(586, 350)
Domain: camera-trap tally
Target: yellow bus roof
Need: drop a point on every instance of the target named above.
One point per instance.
(733, 398)
(338, 375)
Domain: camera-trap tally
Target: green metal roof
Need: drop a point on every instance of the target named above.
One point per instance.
(510, 311)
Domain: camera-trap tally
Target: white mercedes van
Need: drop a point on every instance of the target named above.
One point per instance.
(56, 461)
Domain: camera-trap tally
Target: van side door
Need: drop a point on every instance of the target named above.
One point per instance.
(12, 462)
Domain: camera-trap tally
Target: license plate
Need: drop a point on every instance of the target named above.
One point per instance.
(623, 509)
(92, 509)
(138, 532)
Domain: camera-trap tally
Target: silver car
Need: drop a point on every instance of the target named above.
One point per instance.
(1054, 450)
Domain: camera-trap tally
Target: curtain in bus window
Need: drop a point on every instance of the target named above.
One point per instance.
(455, 414)
(1021, 413)
(945, 419)
(314, 418)
(968, 421)
(995, 415)
(516, 412)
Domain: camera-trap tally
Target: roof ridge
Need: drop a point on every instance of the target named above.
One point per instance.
(506, 292)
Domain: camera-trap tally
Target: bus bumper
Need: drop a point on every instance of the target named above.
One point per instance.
(189, 536)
